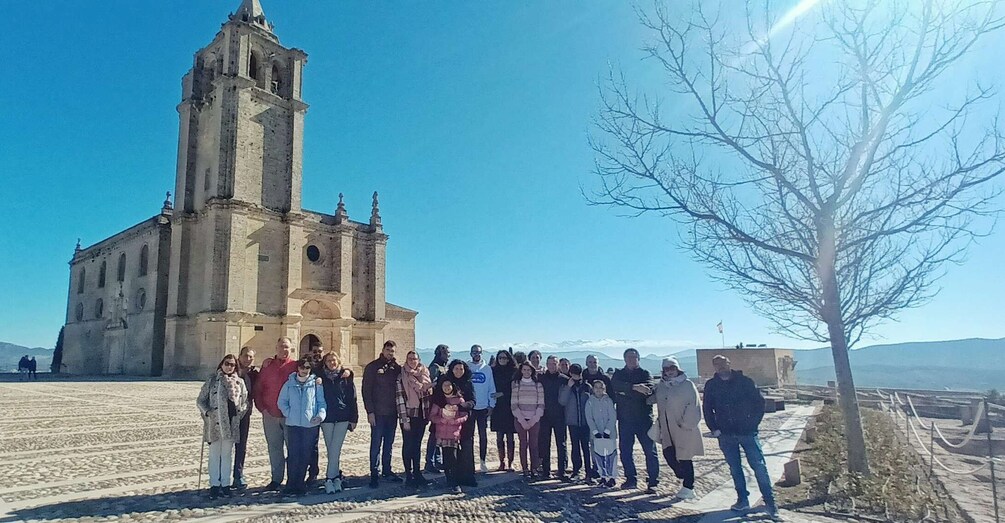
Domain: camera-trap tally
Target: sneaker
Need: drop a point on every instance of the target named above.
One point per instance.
(214, 492)
(502, 466)
(240, 484)
(329, 487)
(484, 468)
(393, 478)
(772, 512)
(289, 492)
(311, 480)
(685, 493)
(741, 505)
(457, 489)
(227, 492)
(272, 487)
(374, 482)
(564, 479)
(629, 484)
(651, 489)
(337, 485)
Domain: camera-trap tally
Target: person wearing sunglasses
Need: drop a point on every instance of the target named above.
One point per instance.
(222, 401)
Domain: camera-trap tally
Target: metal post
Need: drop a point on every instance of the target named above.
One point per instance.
(991, 458)
(931, 447)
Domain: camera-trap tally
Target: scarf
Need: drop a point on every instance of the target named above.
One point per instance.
(416, 384)
(231, 384)
(332, 375)
(676, 380)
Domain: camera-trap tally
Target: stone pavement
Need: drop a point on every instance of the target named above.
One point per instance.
(129, 451)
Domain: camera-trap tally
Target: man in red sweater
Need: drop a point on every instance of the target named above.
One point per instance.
(275, 371)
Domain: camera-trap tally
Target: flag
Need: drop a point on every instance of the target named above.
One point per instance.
(719, 326)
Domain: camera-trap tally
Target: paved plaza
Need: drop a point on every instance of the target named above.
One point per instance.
(129, 451)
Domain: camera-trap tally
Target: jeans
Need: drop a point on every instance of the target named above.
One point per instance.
(382, 433)
(411, 446)
(629, 431)
(730, 445)
(302, 440)
(221, 453)
(481, 421)
(276, 438)
(334, 437)
(241, 450)
(683, 469)
(605, 465)
(549, 426)
(434, 455)
(450, 465)
(529, 442)
(579, 437)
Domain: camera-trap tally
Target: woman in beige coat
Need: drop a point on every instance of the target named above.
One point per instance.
(678, 414)
(223, 401)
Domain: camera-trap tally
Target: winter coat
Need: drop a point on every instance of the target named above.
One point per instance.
(631, 405)
(448, 428)
(733, 406)
(220, 420)
(552, 384)
(250, 381)
(502, 414)
(302, 402)
(528, 402)
(380, 378)
(484, 385)
(340, 398)
(271, 378)
(679, 413)
(601, 416)
(574, 400)
(600, 375)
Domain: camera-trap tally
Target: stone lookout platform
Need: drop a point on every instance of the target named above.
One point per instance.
(129, 451)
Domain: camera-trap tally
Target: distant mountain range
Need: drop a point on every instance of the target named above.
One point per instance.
(969, 364)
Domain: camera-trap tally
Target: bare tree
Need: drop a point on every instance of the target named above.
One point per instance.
(812, 159)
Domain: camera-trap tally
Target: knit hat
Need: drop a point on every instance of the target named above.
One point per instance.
(671, 361)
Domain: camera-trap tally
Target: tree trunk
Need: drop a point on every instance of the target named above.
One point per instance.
(858, 458)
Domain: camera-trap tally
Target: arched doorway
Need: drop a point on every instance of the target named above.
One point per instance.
(306, 342)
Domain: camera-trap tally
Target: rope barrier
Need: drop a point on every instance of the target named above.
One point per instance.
(937, 461)
(966, 439)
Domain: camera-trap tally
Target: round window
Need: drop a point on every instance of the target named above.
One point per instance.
(141, 299)
(80, 312)
(99, 308)
(313, 253)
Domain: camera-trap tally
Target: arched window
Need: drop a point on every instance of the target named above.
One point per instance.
(101, 274)
(253, 66)
(80, 282)
(278, 86)
(144, 259)
(120, 275)
(99, 308)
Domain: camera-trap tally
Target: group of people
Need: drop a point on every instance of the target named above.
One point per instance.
(27, 368)
(600, 414)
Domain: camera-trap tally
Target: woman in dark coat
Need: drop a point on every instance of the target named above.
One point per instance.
(459, 373)
(502, 415)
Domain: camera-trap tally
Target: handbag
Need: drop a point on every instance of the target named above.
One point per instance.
(654, 431)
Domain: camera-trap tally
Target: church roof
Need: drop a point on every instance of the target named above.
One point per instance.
(251, 12)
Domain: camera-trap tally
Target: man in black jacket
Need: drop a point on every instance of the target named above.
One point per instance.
(438, 367)
(733, 409)
(379, 392)
(553, 420)
(631, 386)
(247, 371)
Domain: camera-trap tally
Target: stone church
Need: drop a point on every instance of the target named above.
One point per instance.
(235, 260)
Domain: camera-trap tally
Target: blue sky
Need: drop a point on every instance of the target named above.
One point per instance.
(470, 119)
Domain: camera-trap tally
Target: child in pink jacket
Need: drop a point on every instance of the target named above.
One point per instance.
(448, 419)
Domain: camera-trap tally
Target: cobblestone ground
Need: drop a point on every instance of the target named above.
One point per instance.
(129, 451)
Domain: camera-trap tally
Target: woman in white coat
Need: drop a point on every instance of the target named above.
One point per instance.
(678, 414)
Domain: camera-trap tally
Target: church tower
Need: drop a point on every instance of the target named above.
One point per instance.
(237, 232)
(241, 135)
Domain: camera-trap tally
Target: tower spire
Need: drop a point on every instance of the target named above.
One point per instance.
(251, 12)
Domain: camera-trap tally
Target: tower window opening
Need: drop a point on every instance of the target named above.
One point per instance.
(120, 274)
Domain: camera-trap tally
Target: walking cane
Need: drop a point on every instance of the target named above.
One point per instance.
(202, 450)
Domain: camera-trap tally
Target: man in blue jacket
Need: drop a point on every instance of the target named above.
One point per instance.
(733, 409)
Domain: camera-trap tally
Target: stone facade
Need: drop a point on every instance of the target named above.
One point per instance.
(767, 367)
(236, 260)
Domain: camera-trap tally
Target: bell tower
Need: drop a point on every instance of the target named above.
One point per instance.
(241, 119)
